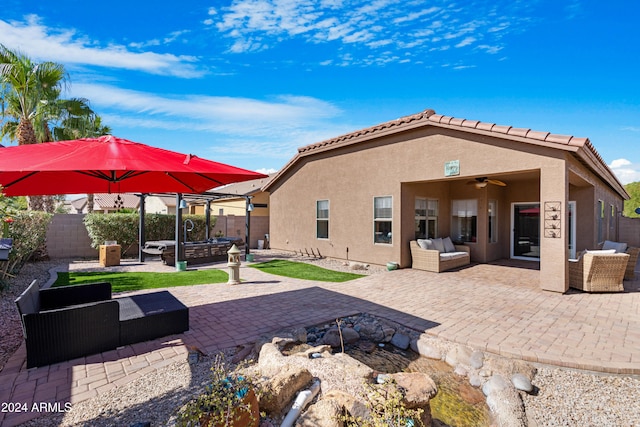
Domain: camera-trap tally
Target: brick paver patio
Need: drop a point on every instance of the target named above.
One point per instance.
(496, 308)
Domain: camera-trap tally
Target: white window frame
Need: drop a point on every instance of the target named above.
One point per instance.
(318, 218)
(377, 220)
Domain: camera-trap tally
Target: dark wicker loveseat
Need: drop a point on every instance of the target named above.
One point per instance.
(74, 321)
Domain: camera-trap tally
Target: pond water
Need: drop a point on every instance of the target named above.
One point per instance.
(457, 403)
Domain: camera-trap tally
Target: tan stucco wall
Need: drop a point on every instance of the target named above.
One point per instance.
(410, 165)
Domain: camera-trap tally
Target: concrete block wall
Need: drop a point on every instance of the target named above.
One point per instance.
(67, 237)
(234, 226)
(630, 231)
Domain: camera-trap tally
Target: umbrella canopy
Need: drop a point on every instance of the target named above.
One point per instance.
(109, 165)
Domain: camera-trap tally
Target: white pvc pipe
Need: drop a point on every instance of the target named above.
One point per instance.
(303, 399)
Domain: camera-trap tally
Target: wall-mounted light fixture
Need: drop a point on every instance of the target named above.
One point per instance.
(183, 204)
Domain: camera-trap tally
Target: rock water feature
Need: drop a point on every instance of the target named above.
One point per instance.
(457, 385)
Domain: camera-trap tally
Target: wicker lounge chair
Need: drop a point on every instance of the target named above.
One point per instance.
(595, 271)
(630, 273)
(436, 261)
(73, 321)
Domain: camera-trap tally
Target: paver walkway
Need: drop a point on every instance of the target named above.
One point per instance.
(495, 308)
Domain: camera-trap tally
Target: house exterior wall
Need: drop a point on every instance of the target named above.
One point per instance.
(630, 231)
(238, 206)
(410, 164)
(155, 205)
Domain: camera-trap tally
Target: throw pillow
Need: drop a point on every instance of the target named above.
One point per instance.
(602, 251)
(424, 243)
(620, 248)
(448, 244)
(438, 244)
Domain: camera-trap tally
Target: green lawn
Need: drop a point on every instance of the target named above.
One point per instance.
(301, 270)
(127, 281)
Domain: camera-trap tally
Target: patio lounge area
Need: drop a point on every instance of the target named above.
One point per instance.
(496, 307)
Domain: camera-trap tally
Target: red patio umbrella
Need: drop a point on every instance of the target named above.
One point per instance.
(109, 165)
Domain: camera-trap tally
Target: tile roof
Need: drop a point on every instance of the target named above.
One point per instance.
(244, 188)
(585, 150)
(429, 117)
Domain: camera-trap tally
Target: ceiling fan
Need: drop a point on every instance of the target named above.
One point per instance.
(483, 181)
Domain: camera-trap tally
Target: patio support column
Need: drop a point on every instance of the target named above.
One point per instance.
(179, 237)
(207, 216)
(247, 224)
(554, 243)
(141, 238)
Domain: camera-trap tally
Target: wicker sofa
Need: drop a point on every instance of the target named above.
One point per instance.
(437, 260)
(598, 271)
(74, 321)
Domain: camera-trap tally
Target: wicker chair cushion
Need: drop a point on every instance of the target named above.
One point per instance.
(438, 244)
(601, 251)
(619, 247)
(448, 244)
(29, 301)
(452, 255)
(425, 243)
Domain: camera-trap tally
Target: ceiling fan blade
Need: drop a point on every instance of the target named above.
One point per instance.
(496, 182)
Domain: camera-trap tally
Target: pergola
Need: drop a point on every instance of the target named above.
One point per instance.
(206, 198)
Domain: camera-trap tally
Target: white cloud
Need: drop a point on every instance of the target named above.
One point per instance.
(466, 42)
(272, 128)
(625, 170)
(366, 25)
(67, 47)
(267, 171)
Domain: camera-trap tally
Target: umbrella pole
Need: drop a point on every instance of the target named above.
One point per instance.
(141, 237)
(179, 246)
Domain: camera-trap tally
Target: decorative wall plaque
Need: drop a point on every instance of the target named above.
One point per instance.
(552, 219)
(452, 168)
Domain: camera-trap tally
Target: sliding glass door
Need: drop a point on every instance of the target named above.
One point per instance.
(525, 231)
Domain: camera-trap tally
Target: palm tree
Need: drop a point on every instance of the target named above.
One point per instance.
(26, 90)
(27, 87)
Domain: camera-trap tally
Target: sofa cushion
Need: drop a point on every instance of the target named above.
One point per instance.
(29, 301)
(448, 244)
(452, 255)
(619, 247)
(601, 251)
(439, 245)
(425, 243)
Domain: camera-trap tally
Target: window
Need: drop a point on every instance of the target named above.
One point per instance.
(493, 221)
(382, 219)
(464, 220)
(612, 221)
(322, 219)
(600, 221)
(421, 218)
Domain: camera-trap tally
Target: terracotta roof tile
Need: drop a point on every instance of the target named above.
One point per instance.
(558, 139)
(518, 132)
(501, 129)
(456, 122)
(435, 117)
(470, 123)
(579, 142)
(540, 136)
(485, 126)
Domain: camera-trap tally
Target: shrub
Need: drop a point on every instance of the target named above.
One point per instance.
(123, 228)
(29, 232)
(229, 400)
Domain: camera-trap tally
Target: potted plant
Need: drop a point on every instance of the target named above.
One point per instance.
(229, 401)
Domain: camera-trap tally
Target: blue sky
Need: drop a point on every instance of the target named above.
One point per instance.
(246, 82)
